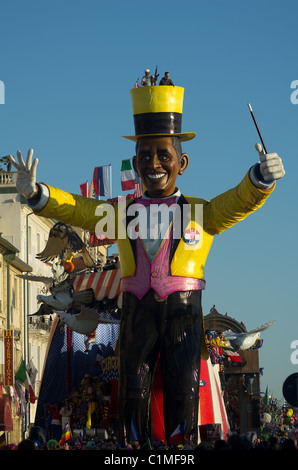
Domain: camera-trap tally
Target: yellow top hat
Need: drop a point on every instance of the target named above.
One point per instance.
(157, 110)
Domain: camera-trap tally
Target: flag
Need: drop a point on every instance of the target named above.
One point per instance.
(32, 372)
(23, 378)
(127, 176)
(101, 180)
(137, 84)
(258, 344)
(2, 440)
(138, 187)
(178, 435)
(232, 354)
(66, 434)
(22, 405)
(84, 189)
(91, 193)
(79, 441)
(133, 431)
(138, 191)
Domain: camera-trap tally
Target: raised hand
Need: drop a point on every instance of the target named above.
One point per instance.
(271, 166)
(26, 179)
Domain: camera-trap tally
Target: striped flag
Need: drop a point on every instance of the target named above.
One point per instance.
(80, 440)
(91, 192)
(138, 191)
(258, 344)
(178, 435)
(127, 176)
(138, 187)
(102, 180)
(232, 354)
(66, 434)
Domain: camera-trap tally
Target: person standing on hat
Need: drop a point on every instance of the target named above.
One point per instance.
(166, 80)
(147, 80)
(162, 277)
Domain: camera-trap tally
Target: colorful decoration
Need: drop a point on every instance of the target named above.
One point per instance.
(69, 266)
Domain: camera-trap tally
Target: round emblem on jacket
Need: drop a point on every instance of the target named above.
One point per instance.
(192, 236)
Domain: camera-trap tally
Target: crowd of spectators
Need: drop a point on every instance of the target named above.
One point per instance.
(234, 442)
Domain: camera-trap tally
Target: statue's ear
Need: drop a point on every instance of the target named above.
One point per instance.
(184, 162)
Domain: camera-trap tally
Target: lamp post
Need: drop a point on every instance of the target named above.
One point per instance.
(8, 258)
(26, 313)
(26, 310)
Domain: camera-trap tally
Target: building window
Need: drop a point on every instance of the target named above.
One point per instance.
(29, 239)
(15, 293)
(38, 243)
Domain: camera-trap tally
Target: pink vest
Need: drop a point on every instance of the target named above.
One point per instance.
(156, 274)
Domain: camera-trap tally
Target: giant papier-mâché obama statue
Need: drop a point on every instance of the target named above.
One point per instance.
(162, 263)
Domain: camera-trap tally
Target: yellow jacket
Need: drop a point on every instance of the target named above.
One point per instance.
(219, 214)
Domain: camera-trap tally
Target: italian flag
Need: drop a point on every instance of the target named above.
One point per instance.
(232, 354)
(127, 176)
(23, 378)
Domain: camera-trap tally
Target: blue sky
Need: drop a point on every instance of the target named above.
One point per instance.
(68, 68)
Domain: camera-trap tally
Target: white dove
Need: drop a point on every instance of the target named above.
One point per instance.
(245, 340)
(63, 297)
(84, 322)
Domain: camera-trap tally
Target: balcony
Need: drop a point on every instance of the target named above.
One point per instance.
(8, 178)
(40, 323)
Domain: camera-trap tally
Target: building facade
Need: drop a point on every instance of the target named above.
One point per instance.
(24, 233)
(12, 321)
(22, 236)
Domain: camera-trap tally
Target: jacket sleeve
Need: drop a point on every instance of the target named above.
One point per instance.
(234, 205)
(76, 210)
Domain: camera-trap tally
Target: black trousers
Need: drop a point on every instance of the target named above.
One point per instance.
(171, 329)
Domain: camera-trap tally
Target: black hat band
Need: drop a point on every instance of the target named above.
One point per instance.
(157, 123)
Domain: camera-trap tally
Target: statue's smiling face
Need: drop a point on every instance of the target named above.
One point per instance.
(157, 165)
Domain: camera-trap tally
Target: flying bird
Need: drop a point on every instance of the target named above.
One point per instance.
(84, 322)
(63, 297)
(46, 280)
(64, 241)
(59, 275)
(245, 340)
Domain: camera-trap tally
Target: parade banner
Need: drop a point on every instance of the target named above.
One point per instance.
(8, 358)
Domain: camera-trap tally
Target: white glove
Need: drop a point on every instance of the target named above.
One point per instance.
(271, 166)
(26, 180)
